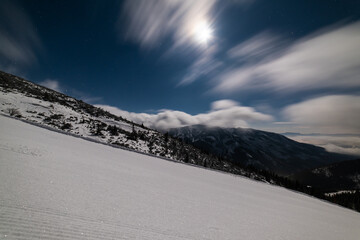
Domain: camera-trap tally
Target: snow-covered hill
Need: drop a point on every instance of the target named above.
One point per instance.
(265, 150)
(61, 187)
(37, 104)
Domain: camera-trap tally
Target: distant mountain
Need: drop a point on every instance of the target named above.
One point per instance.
(331, 178)
(265, 150)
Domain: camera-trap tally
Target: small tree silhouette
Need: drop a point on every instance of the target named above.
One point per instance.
(14, 112)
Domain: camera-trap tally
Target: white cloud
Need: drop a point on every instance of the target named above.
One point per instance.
(324, 60)
(328, 114)
(19, 41)
(224, 113)
(52, 84)
(223, 104)
(340, 144)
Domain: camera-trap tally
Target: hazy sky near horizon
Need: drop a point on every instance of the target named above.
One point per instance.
(283, 66)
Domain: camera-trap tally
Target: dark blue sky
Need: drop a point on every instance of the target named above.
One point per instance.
(137, 55)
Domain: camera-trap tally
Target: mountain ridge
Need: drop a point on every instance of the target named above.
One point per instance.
(266, 150)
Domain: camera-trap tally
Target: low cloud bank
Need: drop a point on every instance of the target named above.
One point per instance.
(223, 113)
(339, 144)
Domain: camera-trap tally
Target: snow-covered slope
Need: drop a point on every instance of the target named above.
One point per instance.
(43, 106)
(47, 107)
(54, 186)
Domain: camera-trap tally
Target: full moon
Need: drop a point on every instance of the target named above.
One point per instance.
(202, 32)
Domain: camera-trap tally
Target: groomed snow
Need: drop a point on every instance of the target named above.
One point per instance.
(54, 186)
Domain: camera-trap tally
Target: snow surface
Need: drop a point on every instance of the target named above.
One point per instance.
(54, 186)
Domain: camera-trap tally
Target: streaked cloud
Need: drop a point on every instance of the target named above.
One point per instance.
(149, 22)
(204, 65)
(258, 46)
(224, 113)
(182, 27)
(19, 41)
(326, 59)
(327, 114)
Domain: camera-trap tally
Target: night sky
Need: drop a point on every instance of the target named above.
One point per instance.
(275, 65)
